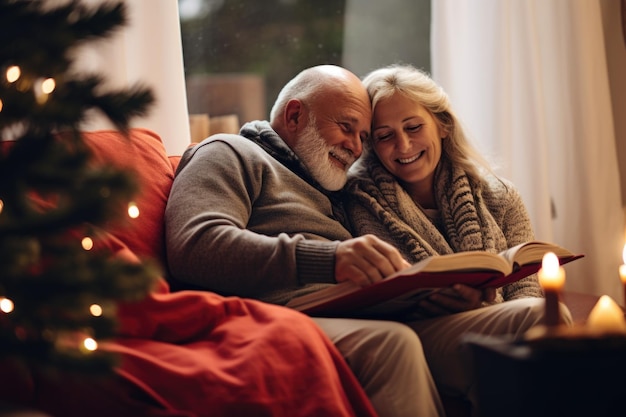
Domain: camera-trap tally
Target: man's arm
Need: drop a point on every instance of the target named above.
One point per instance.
(214, 199)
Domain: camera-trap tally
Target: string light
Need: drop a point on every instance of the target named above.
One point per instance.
(90, 344)
(13, 73)
(133, 210)
(48, 85)
(43, 88)
(95, 310)
(87, 243)
(1, 104)
(6, 305)
(1, 205)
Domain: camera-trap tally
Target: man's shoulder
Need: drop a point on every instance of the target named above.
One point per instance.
(231, 140)
(221, 147)
(225, 143)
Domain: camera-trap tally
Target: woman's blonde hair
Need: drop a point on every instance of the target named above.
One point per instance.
(421, 88)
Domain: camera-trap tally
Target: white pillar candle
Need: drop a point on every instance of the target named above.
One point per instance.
(551, 278)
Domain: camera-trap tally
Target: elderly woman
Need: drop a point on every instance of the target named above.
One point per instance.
(421, 186)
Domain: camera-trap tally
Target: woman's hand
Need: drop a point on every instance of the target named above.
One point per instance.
(456, 299)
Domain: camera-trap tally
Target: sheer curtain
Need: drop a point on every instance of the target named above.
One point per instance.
(147, 50)
(529, 79)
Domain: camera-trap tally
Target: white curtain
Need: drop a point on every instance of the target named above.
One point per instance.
(529, 79)
(149, 51)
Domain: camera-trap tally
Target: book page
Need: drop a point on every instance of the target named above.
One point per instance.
(469, 261)
(533, 252)
(510, 253)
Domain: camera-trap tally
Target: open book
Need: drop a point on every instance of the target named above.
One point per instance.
(405, 288)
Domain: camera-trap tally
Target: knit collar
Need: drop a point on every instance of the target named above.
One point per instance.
(466, 221)
(261, 133)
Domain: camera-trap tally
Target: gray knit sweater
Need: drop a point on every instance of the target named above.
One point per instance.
(244, 218)
(489, 215)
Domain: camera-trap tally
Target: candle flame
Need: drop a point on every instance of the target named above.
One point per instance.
(606, 317)
(551, 276)
(550, 264)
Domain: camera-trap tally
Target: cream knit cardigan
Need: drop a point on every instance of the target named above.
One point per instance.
(489, 215)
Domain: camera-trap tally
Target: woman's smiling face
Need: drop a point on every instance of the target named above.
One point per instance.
(407, 139)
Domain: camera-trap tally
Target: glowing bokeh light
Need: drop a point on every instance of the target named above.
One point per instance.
(48, 85)
(87, 243)
(6, 305)
(13, 73)
(95, 310)
(90, 344)
(133, 210)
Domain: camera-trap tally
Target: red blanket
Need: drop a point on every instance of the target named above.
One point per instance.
(200, 354)
(214, 356)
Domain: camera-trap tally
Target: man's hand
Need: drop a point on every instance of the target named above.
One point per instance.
(456, 299)
(366, 259)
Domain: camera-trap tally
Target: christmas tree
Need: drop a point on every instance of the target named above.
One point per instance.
(58, 294)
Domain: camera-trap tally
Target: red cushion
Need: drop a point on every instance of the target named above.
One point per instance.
(174, 160)
(142, 152)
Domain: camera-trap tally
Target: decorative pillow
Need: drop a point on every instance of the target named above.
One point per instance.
(142, 152)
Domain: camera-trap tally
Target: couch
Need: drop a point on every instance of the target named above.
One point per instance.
(188, 353)
(196, 353)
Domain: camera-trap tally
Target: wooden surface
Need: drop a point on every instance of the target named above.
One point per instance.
(579, 304)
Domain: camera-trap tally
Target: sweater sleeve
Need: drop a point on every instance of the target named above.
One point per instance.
(225, 231)
(510, 213)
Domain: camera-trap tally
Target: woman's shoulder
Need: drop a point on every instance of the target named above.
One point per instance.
(500, 193)
(498, 185)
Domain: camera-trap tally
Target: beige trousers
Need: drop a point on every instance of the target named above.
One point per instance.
(388, 360)
(402, 367)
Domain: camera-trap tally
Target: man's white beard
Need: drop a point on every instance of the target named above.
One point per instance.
(314, 153)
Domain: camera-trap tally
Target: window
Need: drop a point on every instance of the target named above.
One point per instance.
(239, 53)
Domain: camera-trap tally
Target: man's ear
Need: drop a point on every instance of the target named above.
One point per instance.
(294, 115)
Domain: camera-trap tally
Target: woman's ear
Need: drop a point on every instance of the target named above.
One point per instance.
(443, 132)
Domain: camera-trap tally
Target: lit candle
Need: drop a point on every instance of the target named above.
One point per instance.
(622, 273)
(606, 317)
(551, 278)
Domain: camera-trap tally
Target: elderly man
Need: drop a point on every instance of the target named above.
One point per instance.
(255, 215)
